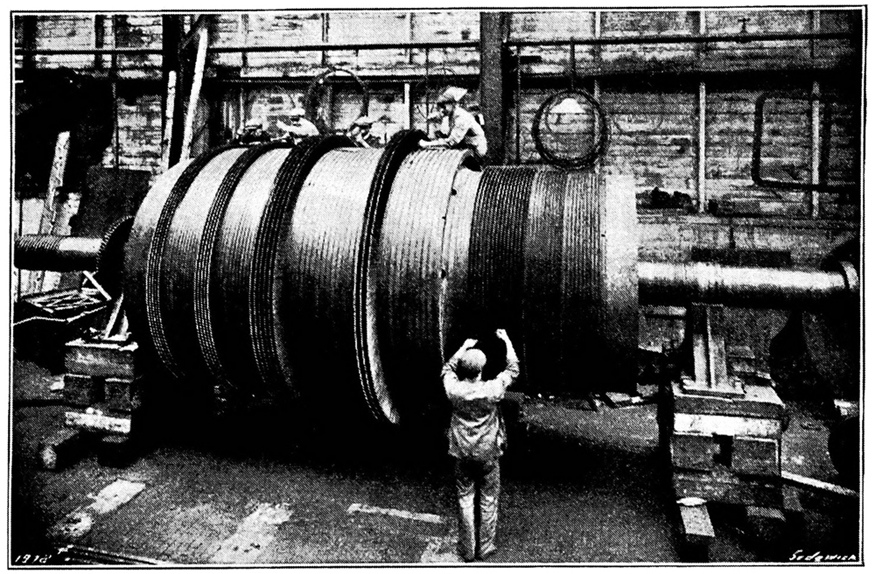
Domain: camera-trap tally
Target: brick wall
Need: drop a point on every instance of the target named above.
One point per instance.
(654, 118)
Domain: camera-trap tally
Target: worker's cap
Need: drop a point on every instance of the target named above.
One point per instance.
(364, 122)
(452, 94)
(470, 364)
(296, 113)
(253, 124)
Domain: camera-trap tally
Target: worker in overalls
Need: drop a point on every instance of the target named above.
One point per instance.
(477, 439)
(299, 128)
(360, 133)
(463, 129)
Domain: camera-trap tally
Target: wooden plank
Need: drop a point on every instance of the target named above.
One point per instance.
(78, 523)
(60, 449)
(406, 514)
(726, 425)
(194, 98)
(48, 217)
(97, 422)
(102, 359)
(168, 121)
(696, 523)
(818, 484)
(253, 535)
(759, 401)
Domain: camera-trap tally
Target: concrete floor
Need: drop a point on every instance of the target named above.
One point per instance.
(578, 487)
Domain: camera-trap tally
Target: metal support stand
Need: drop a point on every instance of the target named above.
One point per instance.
(722, 425)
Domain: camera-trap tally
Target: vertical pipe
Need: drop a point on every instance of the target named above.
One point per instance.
(815, 148)
(702, 142)
(28, 41)
(518, 103)
(597, 33)
(113, 72)
(410, 37)
(244, 34)
(408, 116)
(572, 56)
(324, 37)
(815, 28)
(99, 32)
(701, 147)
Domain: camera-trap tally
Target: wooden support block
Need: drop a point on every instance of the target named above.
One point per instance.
(726, 487)
(741, 360)
(697, 529)
(124, 395)
(96, 421)
(727, 425)
(60, 449)
(82, 390)
(694, 451)
(101, 359)
(757, 402)
(117, 451)
(757, 456)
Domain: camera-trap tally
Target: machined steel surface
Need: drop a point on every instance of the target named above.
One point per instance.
(56, 252)
(348, 276)
(680, 283)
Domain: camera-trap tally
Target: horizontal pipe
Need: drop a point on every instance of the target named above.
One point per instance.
(690, 39)
(683, 283)
(57, 252)
(676, 39)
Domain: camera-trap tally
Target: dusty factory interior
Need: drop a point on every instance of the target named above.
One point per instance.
(436, 287)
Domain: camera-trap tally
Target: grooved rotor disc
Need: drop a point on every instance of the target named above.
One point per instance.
(319, 257)
(370, 360)
(138, 249)
(496, 253)
(206, 254)
(266, 293)
(410, 265)
(178, 267)
(542, 303)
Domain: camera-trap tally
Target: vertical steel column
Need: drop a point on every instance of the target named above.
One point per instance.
(492, 36)
(815, 148)
(702, 142)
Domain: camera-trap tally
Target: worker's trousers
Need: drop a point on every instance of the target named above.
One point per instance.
(478, 486)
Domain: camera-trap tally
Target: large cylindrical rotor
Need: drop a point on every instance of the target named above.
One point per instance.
(349, 275)
(346, 276)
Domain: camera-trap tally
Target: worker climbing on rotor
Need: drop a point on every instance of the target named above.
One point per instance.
(252, 133)
(477, 440)
(462, 129)
(300, 127)
(360, 133)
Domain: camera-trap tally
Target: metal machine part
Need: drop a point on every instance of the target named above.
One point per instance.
(344, 275)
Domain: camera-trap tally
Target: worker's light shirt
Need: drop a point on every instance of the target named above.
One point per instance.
(476, 430)
(464, 128)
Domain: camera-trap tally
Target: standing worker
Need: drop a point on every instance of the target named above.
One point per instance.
(300, 127)
(477, 439)
(464, 130)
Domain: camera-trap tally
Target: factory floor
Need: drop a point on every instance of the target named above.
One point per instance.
(578, 486)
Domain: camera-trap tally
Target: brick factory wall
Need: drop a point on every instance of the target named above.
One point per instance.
(139, 134)
(654, 122)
